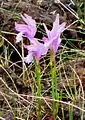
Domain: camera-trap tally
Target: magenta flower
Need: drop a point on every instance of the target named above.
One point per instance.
(35, 49)
(29, 29)
(52, 41)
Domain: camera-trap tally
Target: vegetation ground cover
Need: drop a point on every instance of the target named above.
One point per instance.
(17, 82)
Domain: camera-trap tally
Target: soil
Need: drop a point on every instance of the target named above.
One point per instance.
(45, 11)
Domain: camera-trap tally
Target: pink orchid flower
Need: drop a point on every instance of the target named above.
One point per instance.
(35, 49)
(29, 29)
(52, 41)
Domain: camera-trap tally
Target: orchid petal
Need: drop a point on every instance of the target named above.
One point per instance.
(57, 45)
(25, 29)
(29, 20)
(45, 39)
(53, 37)
(47, 31)
(56, 22)
(29, 29)
(28, 58)
(57, 32)
(22, 28)
(30, 47)
(25, 18)
(37, 49)
(19, 37)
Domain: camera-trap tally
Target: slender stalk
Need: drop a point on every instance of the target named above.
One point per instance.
(38, 79)
(63, 116)
(24, 77)
(70, 112)
(54, 83)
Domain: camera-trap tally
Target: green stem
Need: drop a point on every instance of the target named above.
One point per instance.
(38, 79)
(54, 83)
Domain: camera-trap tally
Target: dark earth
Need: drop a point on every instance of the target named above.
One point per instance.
(45, 11)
